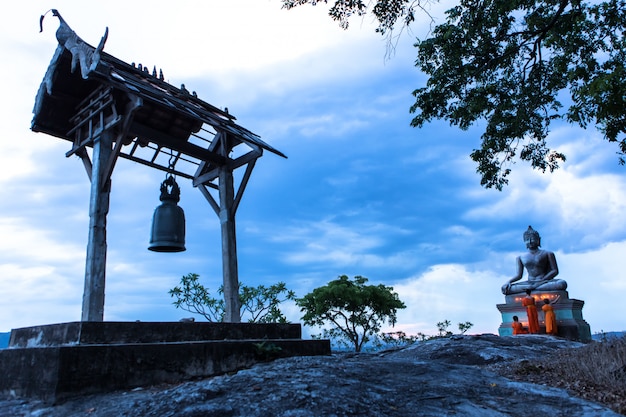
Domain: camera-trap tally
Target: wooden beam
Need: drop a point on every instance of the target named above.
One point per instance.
(242, 185)
(209, 198)
(177, 144)
(156, 166)
(202, 177)
(257, 152)
(84, 156)
(132, 107)
(229, 247)
(89, 140)
(95, 264)
(206, 177)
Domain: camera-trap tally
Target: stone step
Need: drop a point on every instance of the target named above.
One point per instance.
(56, 362)
(109, 332)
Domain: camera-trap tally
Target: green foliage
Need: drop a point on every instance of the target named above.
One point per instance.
(267, 351)
(392, 340)
(260, 304)
(355, 311)
(442, 328)
(398, 339)
(465, 326)
(387, 12)
(194, 297)
(509, 63)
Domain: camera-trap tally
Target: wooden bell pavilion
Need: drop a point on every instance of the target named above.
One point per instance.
(107, 110)
(112, 110)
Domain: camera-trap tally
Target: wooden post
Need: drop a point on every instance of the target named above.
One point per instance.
(229, 245)
(95, 268)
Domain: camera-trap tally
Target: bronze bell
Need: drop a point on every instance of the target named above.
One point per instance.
(168, 222)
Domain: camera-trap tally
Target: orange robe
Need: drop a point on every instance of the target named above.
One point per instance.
(550, 319)
(518, 328)
(531, 312)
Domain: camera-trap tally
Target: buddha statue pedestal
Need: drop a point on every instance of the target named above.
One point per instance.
(568, 312)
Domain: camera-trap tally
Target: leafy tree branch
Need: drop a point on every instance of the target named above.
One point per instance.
(509, 63)
(260, 304)
(193, 297)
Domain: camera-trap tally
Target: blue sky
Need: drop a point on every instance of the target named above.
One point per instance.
(361, 193)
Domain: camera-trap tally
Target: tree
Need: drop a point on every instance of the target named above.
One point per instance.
(510, 63)
(391, 340)
(260, 304)
(465, 326)
(387, 12)
(399, 338)
(355, 311)
(442, 328)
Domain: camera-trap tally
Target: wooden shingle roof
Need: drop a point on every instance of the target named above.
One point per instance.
(165, 118)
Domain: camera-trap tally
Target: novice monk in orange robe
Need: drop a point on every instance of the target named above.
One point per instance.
(531, 311)
(517, 327)
(550, 316)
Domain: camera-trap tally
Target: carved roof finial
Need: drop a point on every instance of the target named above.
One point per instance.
(82, 53)
(54, 13)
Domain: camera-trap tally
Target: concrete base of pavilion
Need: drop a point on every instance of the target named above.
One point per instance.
(56, 361)
(568, 312)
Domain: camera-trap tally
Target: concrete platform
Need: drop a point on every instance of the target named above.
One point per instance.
(61, 360)
(111, 332)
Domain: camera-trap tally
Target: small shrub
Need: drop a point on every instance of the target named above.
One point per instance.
(397, 339)
(266, 351)
(393, 340)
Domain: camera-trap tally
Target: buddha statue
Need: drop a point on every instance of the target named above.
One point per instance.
(541, 268)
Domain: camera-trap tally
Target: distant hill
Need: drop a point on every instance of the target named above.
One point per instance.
(608, 335)
(4, 339)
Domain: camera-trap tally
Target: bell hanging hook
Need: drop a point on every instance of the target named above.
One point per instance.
(172, 162)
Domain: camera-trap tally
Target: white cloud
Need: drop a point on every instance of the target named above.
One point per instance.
(462, 293)
(340, 246)
(37, 294)
(397, 196)
(35, 245)
(597, 277)
(582, 207)
(450, 292)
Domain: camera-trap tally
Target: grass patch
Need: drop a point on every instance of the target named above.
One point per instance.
(595, 372)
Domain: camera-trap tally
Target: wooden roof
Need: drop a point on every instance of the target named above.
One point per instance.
(166, 121)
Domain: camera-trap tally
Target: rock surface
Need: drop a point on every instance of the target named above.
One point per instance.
(440, 377)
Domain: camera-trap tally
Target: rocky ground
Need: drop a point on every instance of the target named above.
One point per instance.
(458, 376)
